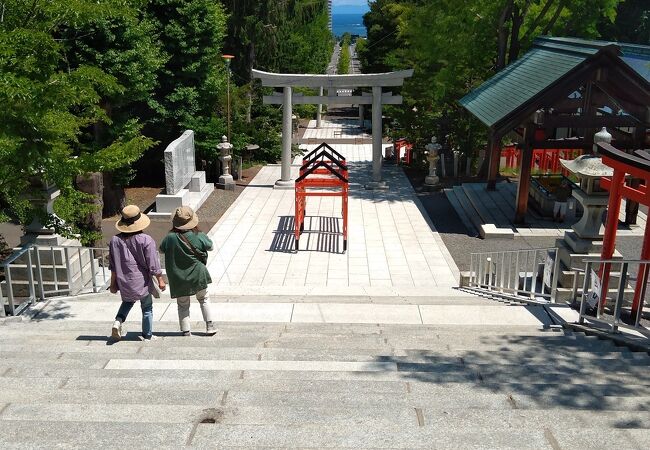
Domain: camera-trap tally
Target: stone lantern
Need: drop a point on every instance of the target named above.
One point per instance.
(44, 195)
(589, 169)
(225, 149)
(432, 151)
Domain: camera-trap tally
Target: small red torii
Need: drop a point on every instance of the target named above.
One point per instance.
(638, 166)
(322, 168)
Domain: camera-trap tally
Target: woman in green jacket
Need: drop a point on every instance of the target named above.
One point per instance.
(186, 253)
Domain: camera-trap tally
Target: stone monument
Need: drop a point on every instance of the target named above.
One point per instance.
(225, 149)
(432, 181)
(185, 186)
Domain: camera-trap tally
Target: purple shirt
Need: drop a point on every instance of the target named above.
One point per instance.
(134, 259)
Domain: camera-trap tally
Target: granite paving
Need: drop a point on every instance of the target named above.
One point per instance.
(392, 244)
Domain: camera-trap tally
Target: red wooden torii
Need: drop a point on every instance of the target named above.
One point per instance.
(638, 167)
(322, 168)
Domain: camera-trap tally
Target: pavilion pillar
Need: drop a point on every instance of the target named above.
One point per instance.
(494, 155)
(285, 180)
(319, 110)
(377, 129)
(523, 186)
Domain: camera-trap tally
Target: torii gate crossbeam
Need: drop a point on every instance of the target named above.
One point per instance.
(376, 81)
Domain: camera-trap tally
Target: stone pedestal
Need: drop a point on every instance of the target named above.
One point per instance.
(185, 186)
(588, 227)
(282, 184)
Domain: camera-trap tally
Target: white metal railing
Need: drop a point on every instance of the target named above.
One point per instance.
(523, 274)
(35, 272)
(627, 279)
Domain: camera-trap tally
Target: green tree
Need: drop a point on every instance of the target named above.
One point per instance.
(50, 105)
(486, 35)
(191, 83)
(632, 23)
(125, 47)
(344, 57)
(277, 36)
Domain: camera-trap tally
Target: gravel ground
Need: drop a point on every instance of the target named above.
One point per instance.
(209, 213)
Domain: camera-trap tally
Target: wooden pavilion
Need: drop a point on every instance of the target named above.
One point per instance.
(557, 96)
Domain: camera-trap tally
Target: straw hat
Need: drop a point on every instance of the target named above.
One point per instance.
(132, 220)
(185, 218)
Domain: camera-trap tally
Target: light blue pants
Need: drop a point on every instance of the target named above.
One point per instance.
(146, 303)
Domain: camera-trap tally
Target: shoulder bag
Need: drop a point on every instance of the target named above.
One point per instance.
(200, 256)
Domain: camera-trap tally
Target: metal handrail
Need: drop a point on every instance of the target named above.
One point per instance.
(27, 268)
(515, 273)
(615, 322)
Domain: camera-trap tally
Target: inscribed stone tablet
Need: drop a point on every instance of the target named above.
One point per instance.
(179, 162)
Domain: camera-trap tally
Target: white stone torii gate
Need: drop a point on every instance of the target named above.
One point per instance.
(331, 82)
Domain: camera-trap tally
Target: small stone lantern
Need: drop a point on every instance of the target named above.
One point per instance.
(432, 150)
(225, 149)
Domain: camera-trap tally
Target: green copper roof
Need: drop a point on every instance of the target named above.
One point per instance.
(547, 62)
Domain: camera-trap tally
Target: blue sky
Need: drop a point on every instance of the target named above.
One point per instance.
(349, 6)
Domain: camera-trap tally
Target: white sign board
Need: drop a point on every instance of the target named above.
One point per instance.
(548, 271)
(593, 296)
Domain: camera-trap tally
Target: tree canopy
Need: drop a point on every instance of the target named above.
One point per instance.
(92, 85)
(455, 45)
(51, 103)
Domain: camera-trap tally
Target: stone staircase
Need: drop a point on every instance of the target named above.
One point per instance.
(319, 385)
(478, 212)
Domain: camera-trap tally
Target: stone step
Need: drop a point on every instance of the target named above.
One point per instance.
(51, 434)
(45, 326)
(566, 294)
(44, 434)
(452, 196)
(393, 345)
(239, 381)
(417, 437)
(212, 350)
(389, 416)
(453, 369)
(209, 396)
(468, 209)
(73, 369)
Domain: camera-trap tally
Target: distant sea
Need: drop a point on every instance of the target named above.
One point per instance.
(352, 23)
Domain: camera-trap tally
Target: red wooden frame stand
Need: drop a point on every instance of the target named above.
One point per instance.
(322, 168)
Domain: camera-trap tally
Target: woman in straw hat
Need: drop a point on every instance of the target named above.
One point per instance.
(186, 253)
(133, 264)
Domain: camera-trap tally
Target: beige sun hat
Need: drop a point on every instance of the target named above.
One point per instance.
(132, 220)
(185, 218)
